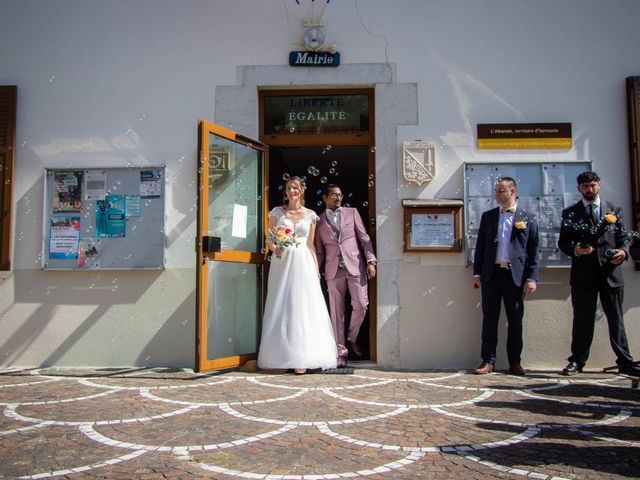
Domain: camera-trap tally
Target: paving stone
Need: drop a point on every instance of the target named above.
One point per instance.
(175, 424)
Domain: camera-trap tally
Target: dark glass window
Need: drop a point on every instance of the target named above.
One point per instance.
(316, 114)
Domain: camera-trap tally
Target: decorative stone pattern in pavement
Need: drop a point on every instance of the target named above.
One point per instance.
(155, 423)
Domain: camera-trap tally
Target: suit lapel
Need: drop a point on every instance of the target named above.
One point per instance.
(495, 219)
(342, 219)
(329, 225)
(516, 216)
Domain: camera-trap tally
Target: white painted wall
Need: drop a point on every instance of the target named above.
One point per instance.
(123, 83)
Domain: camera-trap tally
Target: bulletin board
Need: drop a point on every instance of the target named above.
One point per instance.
(543, 189)
(104, 218)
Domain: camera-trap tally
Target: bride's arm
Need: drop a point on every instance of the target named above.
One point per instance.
(311, 245)
(270, 245)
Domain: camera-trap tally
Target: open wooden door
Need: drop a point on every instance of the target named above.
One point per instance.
(230, 247)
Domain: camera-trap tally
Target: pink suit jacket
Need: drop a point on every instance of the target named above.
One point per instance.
(352, 241)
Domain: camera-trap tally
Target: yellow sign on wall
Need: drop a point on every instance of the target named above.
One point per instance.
(524, 135)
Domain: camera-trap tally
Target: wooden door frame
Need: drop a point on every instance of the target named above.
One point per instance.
(318, 140)
(8, 100)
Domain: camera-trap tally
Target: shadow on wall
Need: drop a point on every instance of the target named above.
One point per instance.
(185, 205)
(53, 291)
(166, 337)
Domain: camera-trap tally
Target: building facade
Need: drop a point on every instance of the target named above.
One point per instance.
(112, 85)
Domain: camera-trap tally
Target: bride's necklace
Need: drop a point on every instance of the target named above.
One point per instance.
(295, 210)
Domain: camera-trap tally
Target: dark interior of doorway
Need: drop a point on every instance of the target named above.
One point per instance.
(345, 166)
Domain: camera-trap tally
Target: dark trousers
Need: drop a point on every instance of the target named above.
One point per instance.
(584, 301)
(501, 287)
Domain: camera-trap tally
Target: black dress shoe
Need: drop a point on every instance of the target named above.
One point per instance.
(355, 349)
(630, 369)
(516, 369)
(571, 369)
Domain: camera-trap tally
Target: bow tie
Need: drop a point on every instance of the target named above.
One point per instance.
(508, 210)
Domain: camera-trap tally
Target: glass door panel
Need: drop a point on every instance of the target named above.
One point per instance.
(231, 258)
(234, 200)
(230, 285)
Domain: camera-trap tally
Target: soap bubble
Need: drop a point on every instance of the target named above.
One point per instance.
(323, 179)
(334, 163)
(332, 170)
(285, 176)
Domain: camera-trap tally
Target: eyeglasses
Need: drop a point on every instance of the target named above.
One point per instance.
(335, 196)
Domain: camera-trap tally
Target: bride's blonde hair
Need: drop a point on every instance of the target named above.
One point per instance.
(301, 186)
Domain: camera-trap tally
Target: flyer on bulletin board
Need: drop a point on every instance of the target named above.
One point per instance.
(110, 217)
(95, 185)
(150, 186)
(67, 192)
(89, 253)
(64, 237)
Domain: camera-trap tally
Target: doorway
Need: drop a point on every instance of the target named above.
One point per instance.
(325, 137)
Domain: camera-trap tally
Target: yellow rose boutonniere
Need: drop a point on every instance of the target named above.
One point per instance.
(610, 218)
(520, 224)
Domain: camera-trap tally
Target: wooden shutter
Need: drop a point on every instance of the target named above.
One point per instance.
(7, 148)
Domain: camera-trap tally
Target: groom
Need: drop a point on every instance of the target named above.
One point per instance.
(344, 249)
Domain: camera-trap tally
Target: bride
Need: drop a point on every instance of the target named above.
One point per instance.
(296, 327)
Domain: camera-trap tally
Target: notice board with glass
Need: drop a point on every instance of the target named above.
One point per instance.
(104, 218)
(544, 189)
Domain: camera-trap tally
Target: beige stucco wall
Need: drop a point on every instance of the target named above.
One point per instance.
(441, 319)
(114, 84)
(101, 319)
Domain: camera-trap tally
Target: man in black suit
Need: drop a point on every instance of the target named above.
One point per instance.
(593, 235)
(505, 268)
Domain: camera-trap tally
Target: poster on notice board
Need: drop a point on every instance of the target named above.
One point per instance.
(110, 217)
(64, 236)
(67, 192)
(150, 186)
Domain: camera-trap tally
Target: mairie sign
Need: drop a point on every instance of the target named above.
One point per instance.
(314, 59)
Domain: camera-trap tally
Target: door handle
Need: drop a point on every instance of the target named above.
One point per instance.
(211, 244)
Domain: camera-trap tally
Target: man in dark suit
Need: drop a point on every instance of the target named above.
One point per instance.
(505, 268)
(593, 235)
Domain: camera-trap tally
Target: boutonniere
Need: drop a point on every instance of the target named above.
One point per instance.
(520, 224)
(610, 217)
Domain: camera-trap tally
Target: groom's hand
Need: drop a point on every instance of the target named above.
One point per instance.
(371, 271)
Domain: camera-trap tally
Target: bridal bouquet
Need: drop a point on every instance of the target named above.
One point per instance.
(283, 237)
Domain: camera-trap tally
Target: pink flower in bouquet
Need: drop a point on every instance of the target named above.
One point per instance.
(283, 237)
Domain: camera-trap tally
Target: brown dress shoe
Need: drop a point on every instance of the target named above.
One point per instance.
(484, 368)
(516, 369)
(355, 349)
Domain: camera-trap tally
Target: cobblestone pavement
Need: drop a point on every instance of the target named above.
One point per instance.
(155, 423)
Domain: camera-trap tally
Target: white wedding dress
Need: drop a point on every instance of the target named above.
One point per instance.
(296, 327)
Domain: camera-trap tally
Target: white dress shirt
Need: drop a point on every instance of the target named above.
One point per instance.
(333, 216)
(505, 226)
(596, 206)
